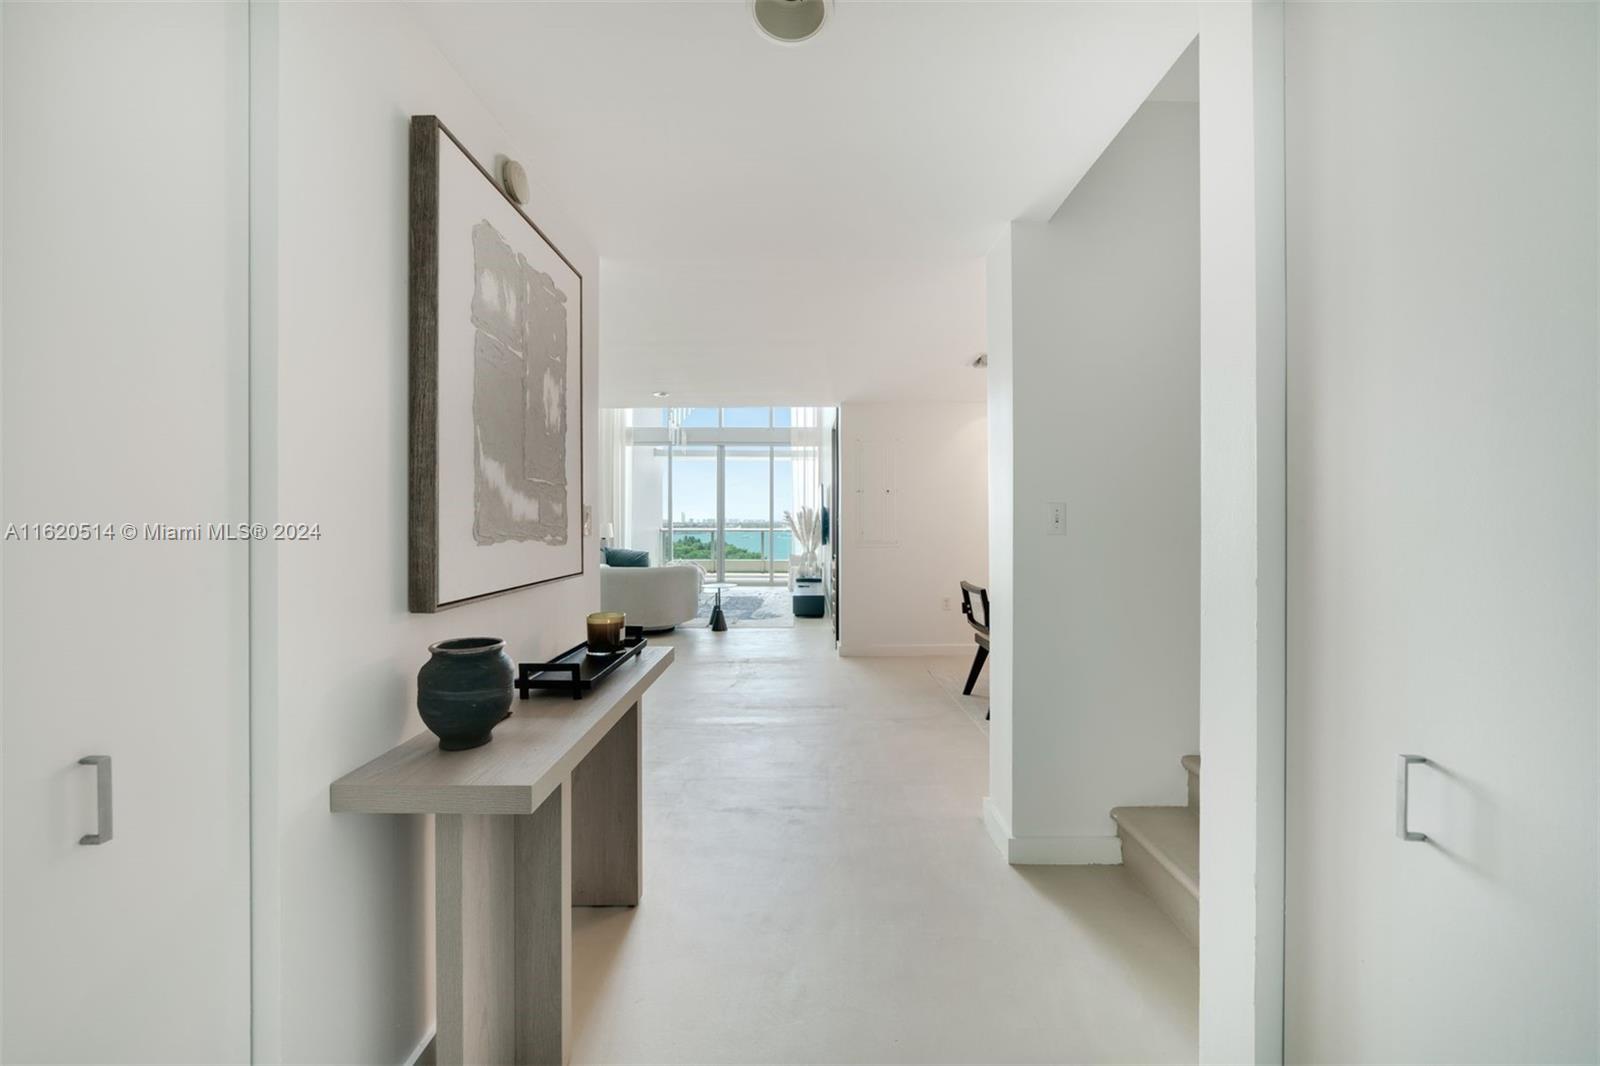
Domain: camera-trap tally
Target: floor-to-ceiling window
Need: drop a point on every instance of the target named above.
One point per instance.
(714, 486)
(690, 529)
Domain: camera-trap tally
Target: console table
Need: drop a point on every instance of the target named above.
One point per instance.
(543, 818)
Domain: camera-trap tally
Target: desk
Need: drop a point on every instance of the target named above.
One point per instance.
(543, 818)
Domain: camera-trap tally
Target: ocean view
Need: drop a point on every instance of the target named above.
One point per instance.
(742, 543)
(754, 540)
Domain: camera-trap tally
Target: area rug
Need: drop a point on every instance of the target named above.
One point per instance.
(749, 608)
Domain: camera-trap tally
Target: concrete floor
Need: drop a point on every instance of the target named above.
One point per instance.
(819, 886)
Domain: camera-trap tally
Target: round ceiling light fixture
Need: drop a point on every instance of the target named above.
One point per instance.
(790, 21)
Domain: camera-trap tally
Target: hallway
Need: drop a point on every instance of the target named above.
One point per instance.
(819, 885)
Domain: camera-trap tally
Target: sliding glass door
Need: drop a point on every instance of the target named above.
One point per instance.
(723, 512)
(713, 486)
(694, 521)
(781, 542)
(747, 513)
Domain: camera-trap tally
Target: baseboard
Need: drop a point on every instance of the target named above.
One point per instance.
(884, 651)
(425, 1053)
(999, 829)
(1048, 851)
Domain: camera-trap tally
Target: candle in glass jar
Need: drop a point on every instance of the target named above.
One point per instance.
(605, 631)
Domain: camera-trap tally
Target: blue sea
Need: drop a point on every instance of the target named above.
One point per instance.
(748, 539)
(751, 540)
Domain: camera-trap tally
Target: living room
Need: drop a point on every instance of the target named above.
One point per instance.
(740, 498)
(751, 517)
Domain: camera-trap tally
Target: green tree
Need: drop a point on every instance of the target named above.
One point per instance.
(691, 547)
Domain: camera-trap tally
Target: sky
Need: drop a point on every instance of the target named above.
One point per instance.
(694, 486)
(694, 476)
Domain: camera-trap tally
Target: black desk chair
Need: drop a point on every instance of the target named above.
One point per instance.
(980, 634)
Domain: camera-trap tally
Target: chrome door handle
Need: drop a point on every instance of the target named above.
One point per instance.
(1402, 800)
(102, 785)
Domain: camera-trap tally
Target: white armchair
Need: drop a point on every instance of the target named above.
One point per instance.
(655, 597)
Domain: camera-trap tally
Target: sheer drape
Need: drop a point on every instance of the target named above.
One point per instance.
(612, 509)
(806, 507)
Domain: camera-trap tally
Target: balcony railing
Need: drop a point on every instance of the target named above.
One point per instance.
(751, 550)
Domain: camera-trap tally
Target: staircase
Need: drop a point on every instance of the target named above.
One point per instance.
(1161, 847)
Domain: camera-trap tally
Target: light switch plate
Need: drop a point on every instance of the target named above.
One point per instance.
(1055, 521)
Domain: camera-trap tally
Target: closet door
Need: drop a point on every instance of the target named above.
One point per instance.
(1442, 278)
(123, 378)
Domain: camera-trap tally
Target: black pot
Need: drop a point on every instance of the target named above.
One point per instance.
(464, 691)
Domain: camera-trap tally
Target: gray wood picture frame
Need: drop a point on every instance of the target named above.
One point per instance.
(423, 453)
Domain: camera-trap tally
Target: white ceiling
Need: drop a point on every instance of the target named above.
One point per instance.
(772, 215)
(791, 332)
(675, 130)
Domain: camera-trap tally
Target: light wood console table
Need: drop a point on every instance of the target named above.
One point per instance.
(543, 818)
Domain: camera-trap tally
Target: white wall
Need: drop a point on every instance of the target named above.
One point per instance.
(343, 922)
(902, 595)
(647, 499)
(1002, 533)
(3, 453)
(1103, 379)
(1242, 531)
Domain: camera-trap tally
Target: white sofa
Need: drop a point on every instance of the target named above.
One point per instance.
(656, 597)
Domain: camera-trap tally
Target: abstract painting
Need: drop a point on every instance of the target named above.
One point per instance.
(496, 387)
(519, 393)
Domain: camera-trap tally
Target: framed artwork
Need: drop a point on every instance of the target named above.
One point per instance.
(496, 463)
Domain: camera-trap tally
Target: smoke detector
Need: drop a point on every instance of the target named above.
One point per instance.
(790, 21)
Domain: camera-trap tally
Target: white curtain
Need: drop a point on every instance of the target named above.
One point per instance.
(805, 424)
(612, 509)
(806, 471)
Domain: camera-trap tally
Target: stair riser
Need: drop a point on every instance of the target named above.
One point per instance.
(1168, 892)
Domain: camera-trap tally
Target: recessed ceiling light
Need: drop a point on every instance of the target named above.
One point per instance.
(789, 21)
(661, 395)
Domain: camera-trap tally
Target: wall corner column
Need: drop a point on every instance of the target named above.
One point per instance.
(1243, 493)
(997, 804)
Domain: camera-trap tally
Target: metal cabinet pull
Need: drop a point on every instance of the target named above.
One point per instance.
(1402, 800)
(102, 781)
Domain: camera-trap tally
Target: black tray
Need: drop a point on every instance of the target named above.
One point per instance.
(575, 670)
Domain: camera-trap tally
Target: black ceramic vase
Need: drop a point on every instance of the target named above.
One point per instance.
(464, 691)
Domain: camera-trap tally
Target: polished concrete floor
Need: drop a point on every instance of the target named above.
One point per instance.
(819, 886)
